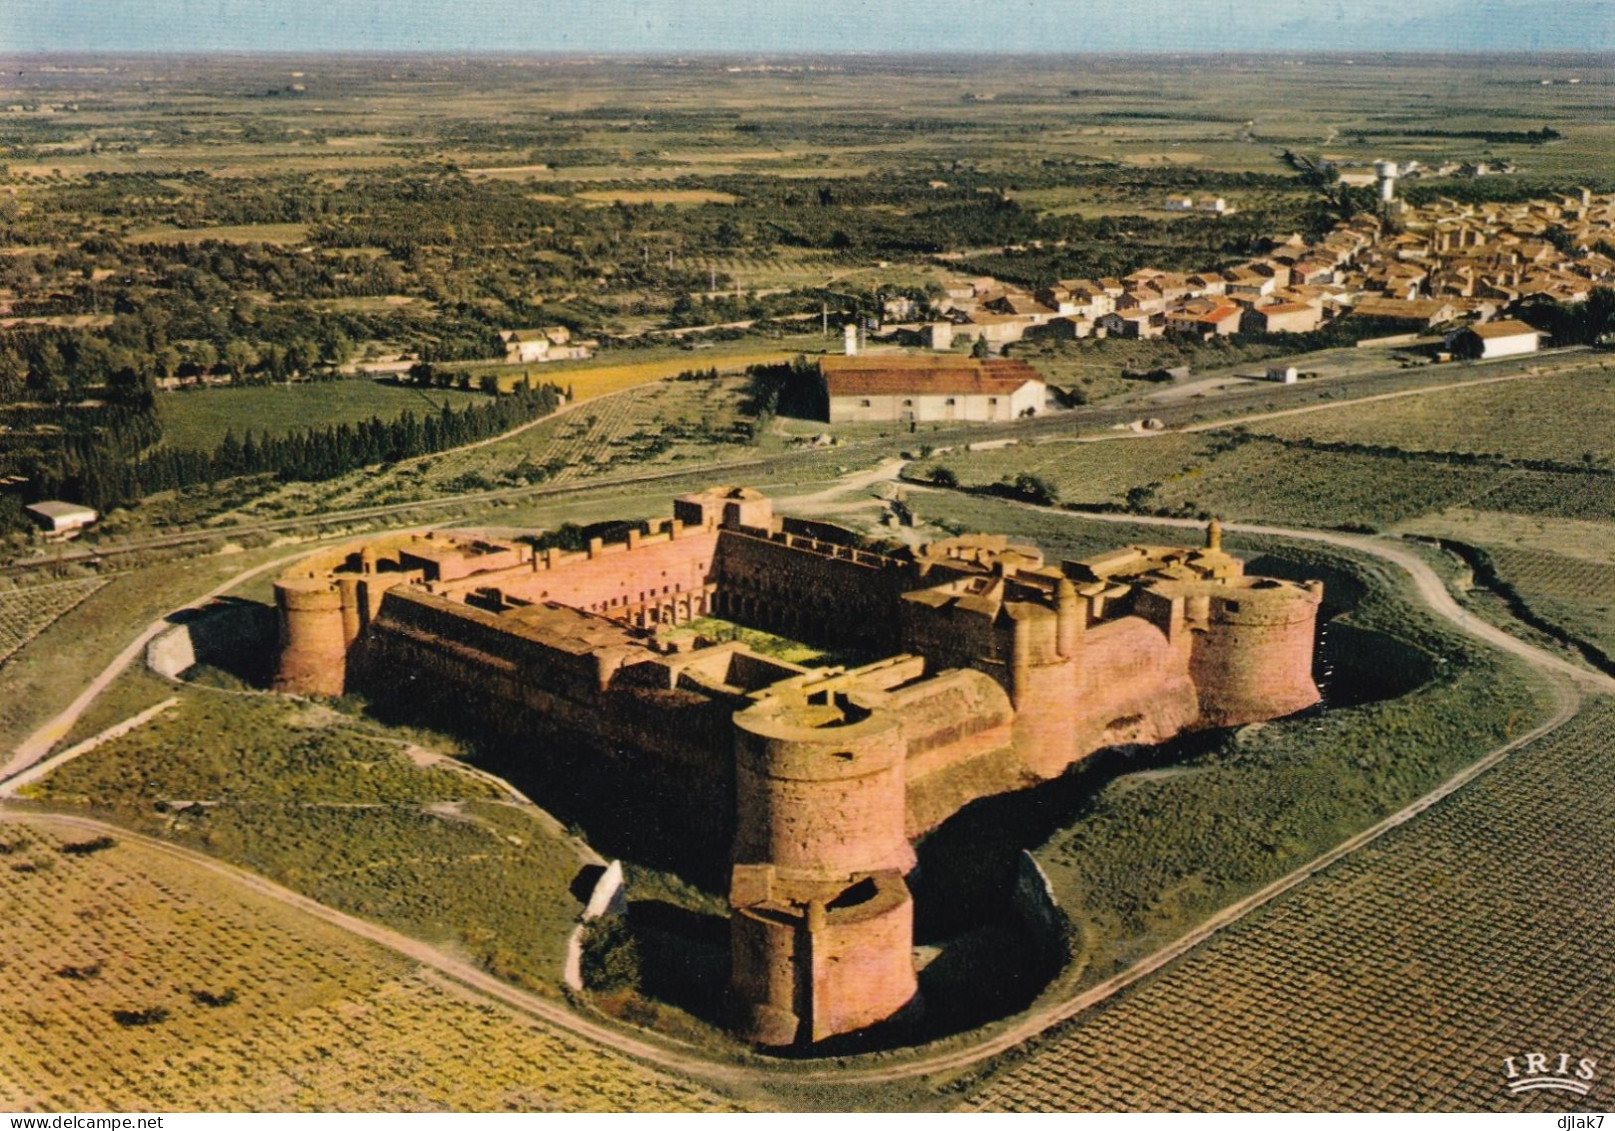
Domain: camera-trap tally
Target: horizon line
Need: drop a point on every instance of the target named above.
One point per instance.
(797, 53)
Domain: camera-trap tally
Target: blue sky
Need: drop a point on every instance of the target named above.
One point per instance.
(779, 26)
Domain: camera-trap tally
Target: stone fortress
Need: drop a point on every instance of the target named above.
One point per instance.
(998, 670)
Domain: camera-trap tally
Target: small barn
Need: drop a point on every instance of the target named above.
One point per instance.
(57, 517)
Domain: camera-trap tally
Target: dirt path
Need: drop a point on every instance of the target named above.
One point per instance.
(40, 743)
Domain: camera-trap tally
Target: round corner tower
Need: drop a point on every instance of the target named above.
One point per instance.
(313, 639)
(819, 788)
(1252, 658)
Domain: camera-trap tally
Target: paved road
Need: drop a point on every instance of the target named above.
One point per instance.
(1570, 682)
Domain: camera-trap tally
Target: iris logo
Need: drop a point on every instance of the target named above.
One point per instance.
(1540, 1072)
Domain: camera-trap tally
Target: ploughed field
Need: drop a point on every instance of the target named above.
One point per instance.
(1397, 980)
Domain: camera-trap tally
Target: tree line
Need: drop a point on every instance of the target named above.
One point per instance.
(97, 469)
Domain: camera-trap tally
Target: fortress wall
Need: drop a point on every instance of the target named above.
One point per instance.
(820, 802)
(953, 637)
(680, 739)
(1118, 659)
(951, 725)
(939, 712)
(1254, 661)
(1047, 727)
(769, 970)
(808, 964)
(795, 591)
(610, 578)
(944, 780)
(575, 675)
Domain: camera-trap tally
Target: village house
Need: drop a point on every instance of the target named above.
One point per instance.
(1282, 318)
(1403, 314)
(1210, 321)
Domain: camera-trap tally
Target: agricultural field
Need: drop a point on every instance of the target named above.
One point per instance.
(602, 376)
(645, 427)
(27, 612)
(223, 233)
(1094, 367)
(373, 822)
(1561, 417)
(1242, 474)
(1397, 980)
(1574, 595)
(200, 418)
(139, 981)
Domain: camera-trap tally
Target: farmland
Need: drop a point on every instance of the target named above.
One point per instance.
(1395, 981)
(27, 612)
(1343, 465)
(1560, 417)
(368, 821)
(1573, 595)
(135, 981)
(654, 425)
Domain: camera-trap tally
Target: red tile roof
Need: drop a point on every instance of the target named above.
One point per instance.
(881, 375)
(1506, 328)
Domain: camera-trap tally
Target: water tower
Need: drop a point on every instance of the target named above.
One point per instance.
(1387, 180)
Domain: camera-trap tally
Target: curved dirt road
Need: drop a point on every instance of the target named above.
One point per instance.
(1570, 681)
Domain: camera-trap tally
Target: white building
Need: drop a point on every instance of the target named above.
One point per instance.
(1506, 338)
(903, 389)
(61, 518)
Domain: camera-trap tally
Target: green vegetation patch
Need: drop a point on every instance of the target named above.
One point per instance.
(1562, 417)
(200, 418)
(1239, 474)
(347, 815)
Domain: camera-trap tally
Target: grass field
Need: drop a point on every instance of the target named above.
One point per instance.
(199, 418)
(647, 426)
(1574, 595)
(366, 820)
(134, 981)
(1398, 980)
(1304, 477)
